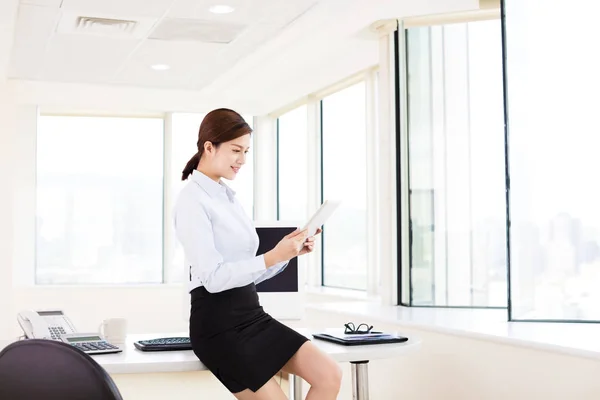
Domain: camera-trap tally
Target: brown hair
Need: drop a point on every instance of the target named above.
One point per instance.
(218, 126)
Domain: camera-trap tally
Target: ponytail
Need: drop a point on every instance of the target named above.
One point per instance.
(191, 166)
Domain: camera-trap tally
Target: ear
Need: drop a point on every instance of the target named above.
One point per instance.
(208, 147)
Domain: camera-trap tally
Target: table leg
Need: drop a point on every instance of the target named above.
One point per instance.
(295, 387)
(360, 380)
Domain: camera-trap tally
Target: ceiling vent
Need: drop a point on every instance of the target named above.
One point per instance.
(72, 22)
(182, 29)
(105, 26)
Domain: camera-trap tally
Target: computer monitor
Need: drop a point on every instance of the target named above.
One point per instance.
(282, 296)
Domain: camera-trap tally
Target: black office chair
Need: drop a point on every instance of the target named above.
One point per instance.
(46, 369)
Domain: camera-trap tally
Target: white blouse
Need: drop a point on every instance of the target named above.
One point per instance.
(218, 238)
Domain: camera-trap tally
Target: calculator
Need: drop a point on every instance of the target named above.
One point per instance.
(90, 343)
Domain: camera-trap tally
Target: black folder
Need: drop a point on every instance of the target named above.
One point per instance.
(360, 339)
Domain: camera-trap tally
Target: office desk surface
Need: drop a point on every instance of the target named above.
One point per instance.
(134, 361)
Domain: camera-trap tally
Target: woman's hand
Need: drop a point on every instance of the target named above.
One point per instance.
(309, 244)
(289, 247)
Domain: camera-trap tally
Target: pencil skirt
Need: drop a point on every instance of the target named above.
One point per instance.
(237, 340)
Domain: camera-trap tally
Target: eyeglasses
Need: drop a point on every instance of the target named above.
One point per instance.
(351, 329)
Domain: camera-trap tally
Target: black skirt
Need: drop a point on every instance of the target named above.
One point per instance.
(237, 340)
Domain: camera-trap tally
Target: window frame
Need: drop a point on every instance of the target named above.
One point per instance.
(404, 278)
(511, 316)
(314, 108)
(316, 264)
(403, 220)
(28, 276)
(373, 267)
(368, 82)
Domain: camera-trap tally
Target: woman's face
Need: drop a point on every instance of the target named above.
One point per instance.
(227, 160)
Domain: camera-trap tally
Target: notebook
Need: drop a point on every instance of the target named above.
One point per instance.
(339, 337)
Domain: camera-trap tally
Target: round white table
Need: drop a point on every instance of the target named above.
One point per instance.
(358, 356)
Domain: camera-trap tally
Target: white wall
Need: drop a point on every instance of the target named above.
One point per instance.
(147, 308)
(77, 97)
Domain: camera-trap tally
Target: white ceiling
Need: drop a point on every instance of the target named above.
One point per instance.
(283, 49)
(48, 47)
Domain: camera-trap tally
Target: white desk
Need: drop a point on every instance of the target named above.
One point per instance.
(134, 361)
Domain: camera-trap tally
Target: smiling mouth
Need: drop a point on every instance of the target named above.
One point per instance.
(235, 169)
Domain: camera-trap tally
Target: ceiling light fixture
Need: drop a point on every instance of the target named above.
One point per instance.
(221, 9)
(160, 67)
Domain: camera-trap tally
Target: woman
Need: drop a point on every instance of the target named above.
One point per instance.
(243, 346)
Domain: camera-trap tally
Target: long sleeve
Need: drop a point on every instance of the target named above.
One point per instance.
(272, 271)
(208, 268)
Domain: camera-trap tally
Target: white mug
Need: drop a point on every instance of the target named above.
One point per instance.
(114, 330)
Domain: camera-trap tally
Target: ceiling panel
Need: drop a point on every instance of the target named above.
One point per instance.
(186, 29)
(50, 43)
(44, 3)
(34, 27)
(286, 12)
(186, 59)
(119, 8)
(85, 58)
(238, 49)
(246, 11)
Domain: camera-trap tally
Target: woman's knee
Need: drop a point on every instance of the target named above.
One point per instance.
(332, 378)
(315, 367)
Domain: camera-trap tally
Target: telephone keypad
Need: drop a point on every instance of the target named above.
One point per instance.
(56, 331)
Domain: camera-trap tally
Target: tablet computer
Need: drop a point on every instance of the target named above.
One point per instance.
(319, 217)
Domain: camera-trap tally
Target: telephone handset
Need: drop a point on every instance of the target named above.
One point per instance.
(49, 324)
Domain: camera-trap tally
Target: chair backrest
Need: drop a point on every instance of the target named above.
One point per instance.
(47, 369)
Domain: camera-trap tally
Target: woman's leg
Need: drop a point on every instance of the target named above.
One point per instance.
(269, 391)
(318, 369)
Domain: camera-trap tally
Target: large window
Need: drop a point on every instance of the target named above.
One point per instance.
(99, 201)
(100, 208)
(292, 168)
(344, 138)
(552, 89)
(456, 165)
